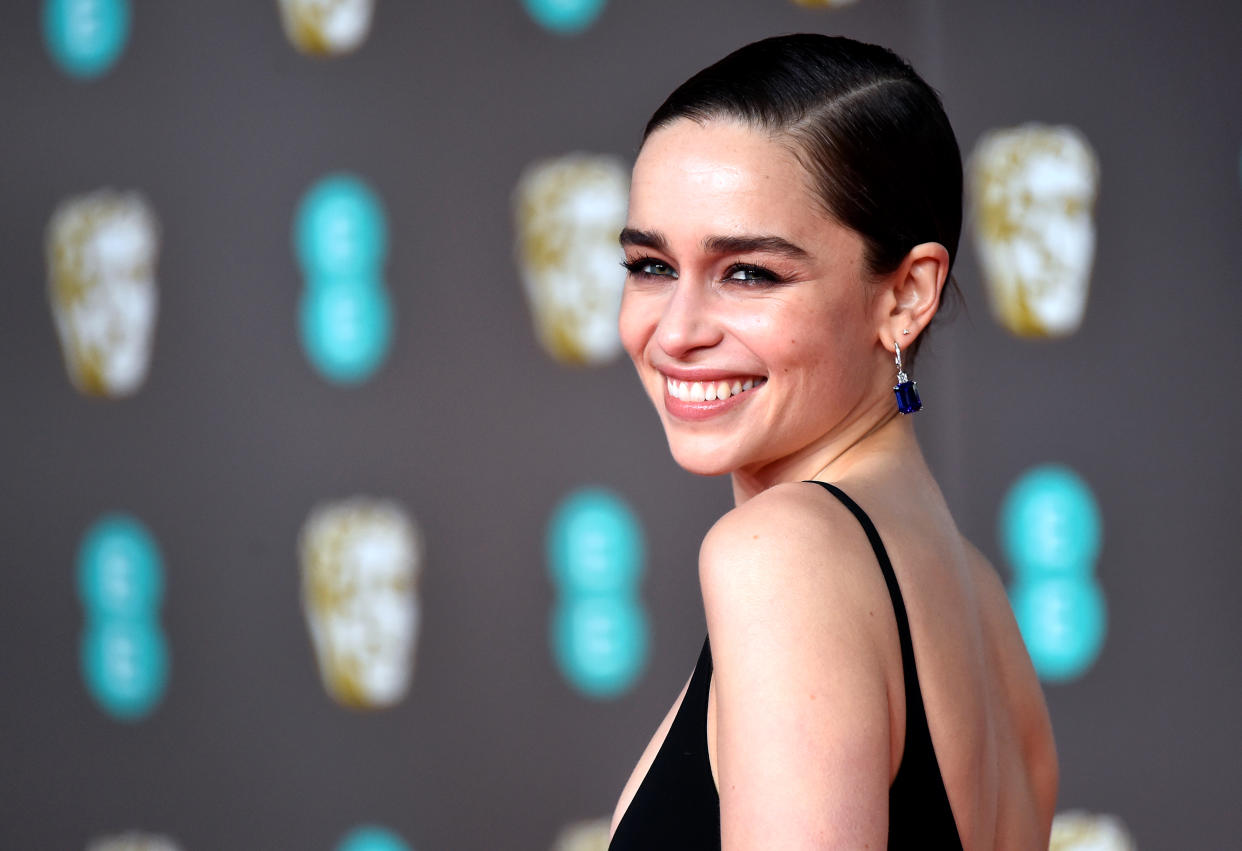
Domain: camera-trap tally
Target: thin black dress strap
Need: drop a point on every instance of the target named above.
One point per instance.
(920, 815)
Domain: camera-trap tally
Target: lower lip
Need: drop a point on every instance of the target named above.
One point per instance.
(697, 411)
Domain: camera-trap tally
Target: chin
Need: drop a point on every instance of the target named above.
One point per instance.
(701, 460)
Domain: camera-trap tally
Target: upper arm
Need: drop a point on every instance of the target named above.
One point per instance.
(796, 612)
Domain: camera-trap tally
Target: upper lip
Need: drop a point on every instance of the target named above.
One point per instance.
(684, 373)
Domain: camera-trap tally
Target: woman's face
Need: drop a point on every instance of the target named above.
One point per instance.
(745, 310)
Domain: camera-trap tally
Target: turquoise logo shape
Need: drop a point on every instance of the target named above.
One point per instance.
(1051, 533)
(600, 643)
(341, 229)
(564, 17)
(124, 654)
(85, 37)
(371, 838)
(1062, 621)
(119, 573)
(595, 544)
(598, 629)
(1050, 523)
(340, 239)
(125, 664)
(346, 327)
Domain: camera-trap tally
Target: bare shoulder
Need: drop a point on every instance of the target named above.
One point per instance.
(785, 534)
(792, 552)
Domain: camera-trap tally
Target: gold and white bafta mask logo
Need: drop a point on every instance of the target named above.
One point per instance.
(133, 842)
(569, 213)
(1033, 191)
(583, 836)
(361, 560)
(1079, 831)
(101, 254)
(326, 27)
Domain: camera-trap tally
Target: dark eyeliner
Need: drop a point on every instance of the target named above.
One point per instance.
(635, 267)
(761, 275)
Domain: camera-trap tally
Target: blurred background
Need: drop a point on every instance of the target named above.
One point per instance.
(332, 519)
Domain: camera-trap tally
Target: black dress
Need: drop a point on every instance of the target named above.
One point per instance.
(677, 806)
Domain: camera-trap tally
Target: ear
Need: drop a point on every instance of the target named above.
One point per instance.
(910, 296)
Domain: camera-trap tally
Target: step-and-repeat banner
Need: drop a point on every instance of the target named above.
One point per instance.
(334, 518)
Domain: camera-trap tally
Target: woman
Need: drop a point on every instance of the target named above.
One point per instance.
(793, 218)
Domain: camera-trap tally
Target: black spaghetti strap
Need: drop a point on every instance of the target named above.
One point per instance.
(920, 815)
(890, 578)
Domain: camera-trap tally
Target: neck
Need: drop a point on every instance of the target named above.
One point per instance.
(831, 457)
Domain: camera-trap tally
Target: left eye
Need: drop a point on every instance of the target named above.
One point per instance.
(750, 274)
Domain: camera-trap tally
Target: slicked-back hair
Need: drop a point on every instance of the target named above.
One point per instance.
(872, 134)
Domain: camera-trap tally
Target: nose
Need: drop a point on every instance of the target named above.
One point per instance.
(687, 323)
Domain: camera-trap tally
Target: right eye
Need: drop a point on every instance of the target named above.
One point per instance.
(648, 267)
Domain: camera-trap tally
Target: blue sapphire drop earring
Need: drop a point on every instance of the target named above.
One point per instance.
(906, 391)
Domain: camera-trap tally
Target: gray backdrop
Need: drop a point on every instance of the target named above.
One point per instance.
(223, 125)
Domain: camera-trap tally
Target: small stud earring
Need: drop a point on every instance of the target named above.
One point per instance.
(905, 332)
(906, 391)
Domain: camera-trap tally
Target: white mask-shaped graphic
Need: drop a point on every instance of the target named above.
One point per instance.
(133, 842)
(1033, 190)
(101, 253)
(569, 213)
(1078, 831)
(583, 836)
(326, 27)
(360, 564)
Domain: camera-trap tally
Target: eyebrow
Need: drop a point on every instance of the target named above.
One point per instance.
(719, 244)
(748, 244)
(644, 238)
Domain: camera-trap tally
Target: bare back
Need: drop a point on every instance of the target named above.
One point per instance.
(984, 707)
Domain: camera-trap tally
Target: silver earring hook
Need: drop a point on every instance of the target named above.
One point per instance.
(901, 375)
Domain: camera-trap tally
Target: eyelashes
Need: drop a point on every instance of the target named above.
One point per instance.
(648, 267)
(746, 274)
(751, 274)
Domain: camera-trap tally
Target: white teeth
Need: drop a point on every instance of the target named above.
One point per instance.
(711, 391)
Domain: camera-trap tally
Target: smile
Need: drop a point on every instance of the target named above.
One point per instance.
(710, 391)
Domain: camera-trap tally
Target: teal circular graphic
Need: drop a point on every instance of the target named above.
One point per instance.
(600, 643)
(369, 838)
(125, 665)
(566, 17)
(340, 229)
(1050, 524)
(85, 37)
(595, 544)
(119, 569)
(1063, 622)
(346, 327)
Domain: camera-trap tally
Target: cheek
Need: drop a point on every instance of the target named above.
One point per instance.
(635, 323)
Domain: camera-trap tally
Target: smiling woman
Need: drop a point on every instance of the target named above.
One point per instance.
(794, 213)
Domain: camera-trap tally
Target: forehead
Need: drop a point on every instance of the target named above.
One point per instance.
(721, 177)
